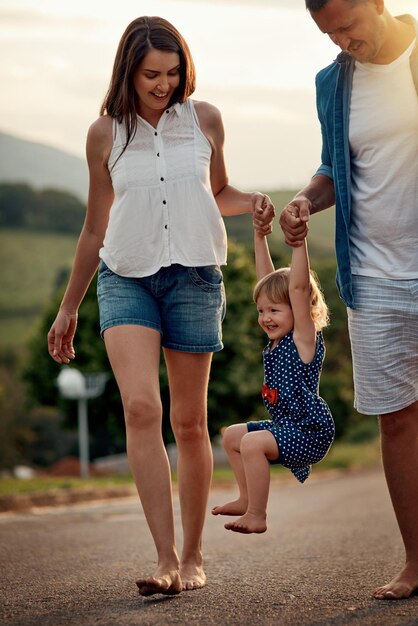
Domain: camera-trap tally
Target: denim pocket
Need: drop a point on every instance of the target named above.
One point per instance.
(207, 277)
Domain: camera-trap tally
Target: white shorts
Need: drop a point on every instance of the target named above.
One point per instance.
(384, 343)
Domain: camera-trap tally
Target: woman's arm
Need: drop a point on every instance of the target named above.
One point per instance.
(231, 201)
(61, 335)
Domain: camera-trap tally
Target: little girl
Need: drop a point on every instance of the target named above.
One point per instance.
(292, 312)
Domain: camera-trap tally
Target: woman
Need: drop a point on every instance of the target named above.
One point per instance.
(158, 188)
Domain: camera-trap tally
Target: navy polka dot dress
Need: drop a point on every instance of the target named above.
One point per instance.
(301, 421)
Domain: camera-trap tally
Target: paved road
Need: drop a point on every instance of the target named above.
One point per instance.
(329, 543)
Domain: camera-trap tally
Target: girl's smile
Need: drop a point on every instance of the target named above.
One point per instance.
(275, 318)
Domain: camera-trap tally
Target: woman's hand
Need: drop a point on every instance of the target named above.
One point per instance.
(263, 213)
(61, 336)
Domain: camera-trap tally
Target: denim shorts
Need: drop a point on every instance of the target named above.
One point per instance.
(186, 305)
(384, 343)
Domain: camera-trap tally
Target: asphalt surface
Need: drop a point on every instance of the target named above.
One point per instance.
(329, 543)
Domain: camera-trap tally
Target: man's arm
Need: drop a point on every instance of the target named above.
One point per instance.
(318, 195)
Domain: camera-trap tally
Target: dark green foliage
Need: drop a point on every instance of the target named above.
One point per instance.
(104, 413)
(237, 373)
(365, 430)
(336, 385)
(15, 203)
(48, 210)
(42, 438)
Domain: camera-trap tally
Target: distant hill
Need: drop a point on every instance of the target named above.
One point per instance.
(42, 166)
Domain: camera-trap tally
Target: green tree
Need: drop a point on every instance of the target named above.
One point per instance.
(16, 200)
(47, 210)
(237, 372)
(40, 373)
(56, 211)
(336, 384)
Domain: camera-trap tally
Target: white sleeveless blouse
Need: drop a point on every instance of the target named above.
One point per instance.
(164, 211)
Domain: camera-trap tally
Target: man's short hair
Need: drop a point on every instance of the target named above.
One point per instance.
(317, 5)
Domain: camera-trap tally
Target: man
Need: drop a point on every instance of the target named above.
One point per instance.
(367, 102)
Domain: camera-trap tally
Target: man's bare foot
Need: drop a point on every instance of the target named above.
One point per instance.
(192, 576)
(168, 584)
(402, 586)
(237, 507)
(248, 523)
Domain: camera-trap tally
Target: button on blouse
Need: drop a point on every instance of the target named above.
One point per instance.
(164, 211)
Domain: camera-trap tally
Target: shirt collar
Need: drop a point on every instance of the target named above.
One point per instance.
(178, 107)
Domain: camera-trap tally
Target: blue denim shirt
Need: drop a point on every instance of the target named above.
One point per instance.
(333, 93)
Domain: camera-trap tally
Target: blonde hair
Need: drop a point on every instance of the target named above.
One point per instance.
(276, 287)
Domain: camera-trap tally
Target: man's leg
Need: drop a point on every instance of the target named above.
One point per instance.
(399, 437)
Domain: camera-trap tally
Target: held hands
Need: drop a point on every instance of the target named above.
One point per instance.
(60, 337)
(294, 220)
(263, 213)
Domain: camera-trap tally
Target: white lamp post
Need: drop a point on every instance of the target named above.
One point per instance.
(74, 385)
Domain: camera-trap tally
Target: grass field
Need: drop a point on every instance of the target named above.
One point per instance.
(31, 262)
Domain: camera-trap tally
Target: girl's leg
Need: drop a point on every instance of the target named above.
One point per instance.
(257, 449)
(232, 443)
(134, 354)
(188, 375)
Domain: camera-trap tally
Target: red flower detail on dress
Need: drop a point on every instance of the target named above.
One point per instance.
(271, 395)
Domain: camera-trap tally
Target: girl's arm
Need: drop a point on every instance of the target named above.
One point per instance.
(263, 263)
(61, 334)
(304, 334)
(231, 201)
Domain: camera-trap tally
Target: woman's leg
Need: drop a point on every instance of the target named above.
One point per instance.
(231, 441)
(188, 375)
(134, 354)
(257, 449)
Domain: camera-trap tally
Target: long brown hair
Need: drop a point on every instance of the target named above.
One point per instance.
(140, 36)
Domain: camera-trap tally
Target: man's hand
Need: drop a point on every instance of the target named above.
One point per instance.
(294, 220)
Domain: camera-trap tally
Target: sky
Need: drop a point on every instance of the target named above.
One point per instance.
(255, 60)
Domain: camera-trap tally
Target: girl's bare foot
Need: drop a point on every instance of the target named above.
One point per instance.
(168, 584)
(402, 586)
(237, 507)
(248, 523)
(192, 576)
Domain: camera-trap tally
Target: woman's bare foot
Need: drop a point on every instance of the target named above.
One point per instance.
(248, 523)
(192, 576)
(168, 584)
(402, 586)
(237, 507)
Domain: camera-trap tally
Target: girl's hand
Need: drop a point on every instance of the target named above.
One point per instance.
(61, 335)
(263, 213)
(294, 221)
